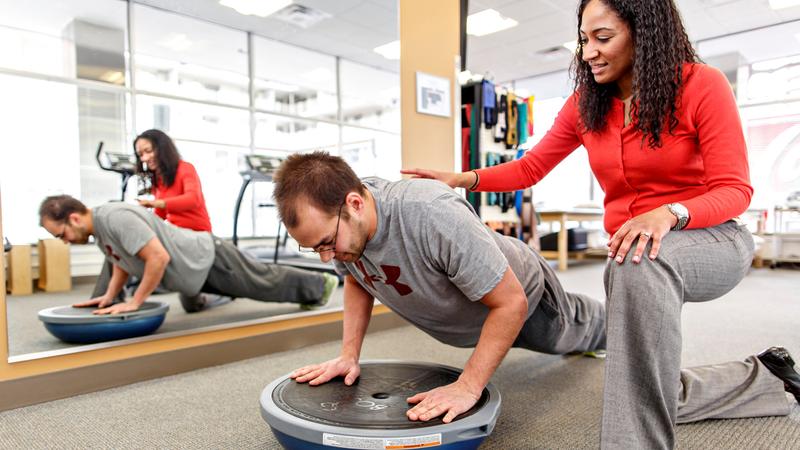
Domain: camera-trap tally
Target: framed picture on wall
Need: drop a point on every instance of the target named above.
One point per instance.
(433, 95)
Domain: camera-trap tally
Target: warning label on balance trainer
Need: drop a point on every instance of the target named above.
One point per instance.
(398, 443)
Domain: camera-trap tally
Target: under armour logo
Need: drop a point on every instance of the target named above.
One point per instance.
(110, 252)
(392, 276)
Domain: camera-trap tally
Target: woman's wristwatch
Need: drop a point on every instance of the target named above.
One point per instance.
(681, 213)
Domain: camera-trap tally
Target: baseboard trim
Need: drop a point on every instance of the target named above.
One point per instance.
(27, 391)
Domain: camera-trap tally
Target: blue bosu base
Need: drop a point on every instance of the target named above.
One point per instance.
(292, 443)
(80, 326)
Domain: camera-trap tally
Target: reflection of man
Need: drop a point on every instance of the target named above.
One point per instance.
(189, 262)
(422, 251)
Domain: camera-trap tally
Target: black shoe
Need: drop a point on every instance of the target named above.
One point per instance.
(202, 302)
(193, 303)
(781, 364)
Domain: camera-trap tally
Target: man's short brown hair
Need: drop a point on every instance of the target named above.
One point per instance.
(58, 207)
(319, 178)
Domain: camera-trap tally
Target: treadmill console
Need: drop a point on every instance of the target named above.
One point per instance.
(260, 167)
(119, 162)
(264, 165)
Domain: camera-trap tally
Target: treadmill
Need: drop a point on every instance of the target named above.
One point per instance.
(121, 163)
(260, 168)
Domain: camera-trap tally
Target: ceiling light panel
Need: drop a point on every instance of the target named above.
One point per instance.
(260, 8)
(389, 51)
(782, 4)
(488, 21)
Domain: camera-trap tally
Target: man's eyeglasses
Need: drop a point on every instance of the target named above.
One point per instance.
(63, 231)
(326, 247)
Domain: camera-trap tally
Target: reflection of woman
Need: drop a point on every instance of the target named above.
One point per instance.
(178, 196)
(176, 186)
(665, 142)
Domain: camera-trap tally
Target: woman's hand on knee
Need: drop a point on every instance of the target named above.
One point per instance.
(650, 226)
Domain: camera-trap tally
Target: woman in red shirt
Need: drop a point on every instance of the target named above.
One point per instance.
(178, 199)
(665, 142)
(176, 186)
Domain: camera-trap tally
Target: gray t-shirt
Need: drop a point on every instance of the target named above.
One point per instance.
(432, 259)
(121, 230)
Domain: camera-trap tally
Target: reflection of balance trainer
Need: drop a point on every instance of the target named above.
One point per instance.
(121, 163)
(260, 168)
(372, 412)
(80, 326)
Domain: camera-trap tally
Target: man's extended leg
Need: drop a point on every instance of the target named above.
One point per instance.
(563, 322)
(237, 274)
(101, 285)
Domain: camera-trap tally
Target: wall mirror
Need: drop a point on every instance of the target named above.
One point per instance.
(222, 80)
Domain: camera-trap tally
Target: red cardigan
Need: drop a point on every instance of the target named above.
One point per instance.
(702, 164)
(185, 205)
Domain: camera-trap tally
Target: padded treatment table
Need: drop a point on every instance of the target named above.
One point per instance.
(371, 414)
(80, 326)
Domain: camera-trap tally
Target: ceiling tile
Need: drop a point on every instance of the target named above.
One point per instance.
(480, 5)
(700, 25)
(334, 8)
(523, 10)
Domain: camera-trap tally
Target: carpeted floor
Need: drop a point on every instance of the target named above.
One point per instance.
(550, 402)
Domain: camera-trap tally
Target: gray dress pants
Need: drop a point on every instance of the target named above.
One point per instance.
(646, 393)
(236, 274)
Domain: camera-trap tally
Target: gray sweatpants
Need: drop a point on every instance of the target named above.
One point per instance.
(646, 393)
(563, 322)
(236, 274)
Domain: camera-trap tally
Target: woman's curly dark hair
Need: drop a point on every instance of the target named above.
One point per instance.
(661, 47)
(166, 154)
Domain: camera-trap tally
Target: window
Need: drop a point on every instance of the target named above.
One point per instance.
(189, 58)
(60, 160)
(193, 121)
(370, 97)
(76, 39)
(295, 81)
(371, 153)
(765, 78)
(218, 168)
(287, 134)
